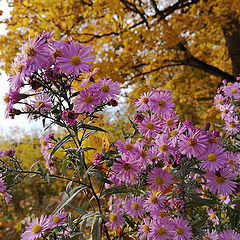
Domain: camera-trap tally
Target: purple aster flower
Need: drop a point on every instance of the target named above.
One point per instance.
(144, 229)
(159, 213)
(213, 138)
(232, 125)
(127, 168)
(153, 155)
(75, 58)
(220, 182)
(232, 90)
(150, 126)
(143, 102)
(58, 219)
(42, 103)
(86, 101)
(119, 205)
(210, 235)
(227, 111)
(224, 199)
(176, 203)
(159, 179)
(169, 121)
(213, 158)
(193, 144)
(154, 202)
(36, 228)
(232, 160)
(181, 229)
(141, 153)
(134, 207)
(229, 235)
(175, 133)
(3, 191)
(58, 48)
(212, 216)
(106, 89)
(161, 229)
(70, 117)
(220, 100)
(125, 147)
(115, 220)
(161, 102)
(9, 152)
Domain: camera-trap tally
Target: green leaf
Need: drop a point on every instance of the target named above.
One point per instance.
(96, 228)
(86, 126)
(99, 175)
(60, 143)
(67, 199)
(114, 190)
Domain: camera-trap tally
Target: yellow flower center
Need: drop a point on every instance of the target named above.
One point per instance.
(30, 52)
(129, 146)
(232, 125)
(174, 133)
(145, 100)
(170, 122)
(135, 206)
(113, 217)
(119, 205)
(75, 60)
(212, 215)
(192, 142)
(57, 219)
(161, 103)
(212, 157)
(163, 148)
(161, 231)
(105, 88)
(220, 180)
(213, 140)
(234, 90)
(206, 238)
(6, 99)
(150, 126)
(143, 154)
(88, 99)
(57, 53)
(159, 181)
(231, 162)
(127, 166)
(219, 102)
(180, 230)
(146, 229)
(43, 143)
(39, 104)
(36, 228)
(154, 199)
(163, 213)
(223, 197)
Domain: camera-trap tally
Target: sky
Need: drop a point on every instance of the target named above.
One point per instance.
(7, 125)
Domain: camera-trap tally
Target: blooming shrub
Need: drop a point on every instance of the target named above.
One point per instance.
(166, 180)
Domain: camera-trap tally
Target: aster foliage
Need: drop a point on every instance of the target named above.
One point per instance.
(165, 180)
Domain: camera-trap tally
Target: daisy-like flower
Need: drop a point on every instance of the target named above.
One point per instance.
(213, 235)
(220, 101)
(154, 202)
(3, 191)
(141, 153)
(181, 229)
(169, 121)
(75, 58)
(212, 216)
(159, 179)
(134, 207)
(159, 213)
(224, 199)
(213, 138)
(175, 133)
(115, 220)
(161, 229)
(143, 102)
(106, 89)
(161, 102)
(70, 117)
(232, 161)
(42, 103)
(213, 158)
(126, 169)
(9, 152)
(227, 111)
(86, 101)
(36, 228)
(229, 235)
(232, 90)
(153, 155)
(125, 147)
(144, 229)
(119, 205)
(150, 126)
(220, 182)
(58, 219)
(232, 125)
(163, 145)
(193, 144)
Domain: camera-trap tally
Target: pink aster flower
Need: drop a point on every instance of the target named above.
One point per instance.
(154, 202)
(143, 102)
(159, 179)
(75, 58)
(161, 102)
(58, 219)
(213, 235)
(106, 89)
(220, 100)
(161, 229)
(220, 182)
(212, 216)
(232, 161)
(144, 229)
(153, 155)
(9, 152)
(159, 213)
(42, 103)
(227, 111)
(193, 144)
(175, 133)
(224, 199)
(150, 126)
(125, 147)
(4, 191)
(169, 121)
(126, 169)
(181, 229)
(232, 125)
(86, 101)
(213, 158)
(213, 138)
(115, 221)
(70, 117)
(134, 207)
(229, 235)
(119, 205)
(141, 154)
(36, 228)
(232, 90)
